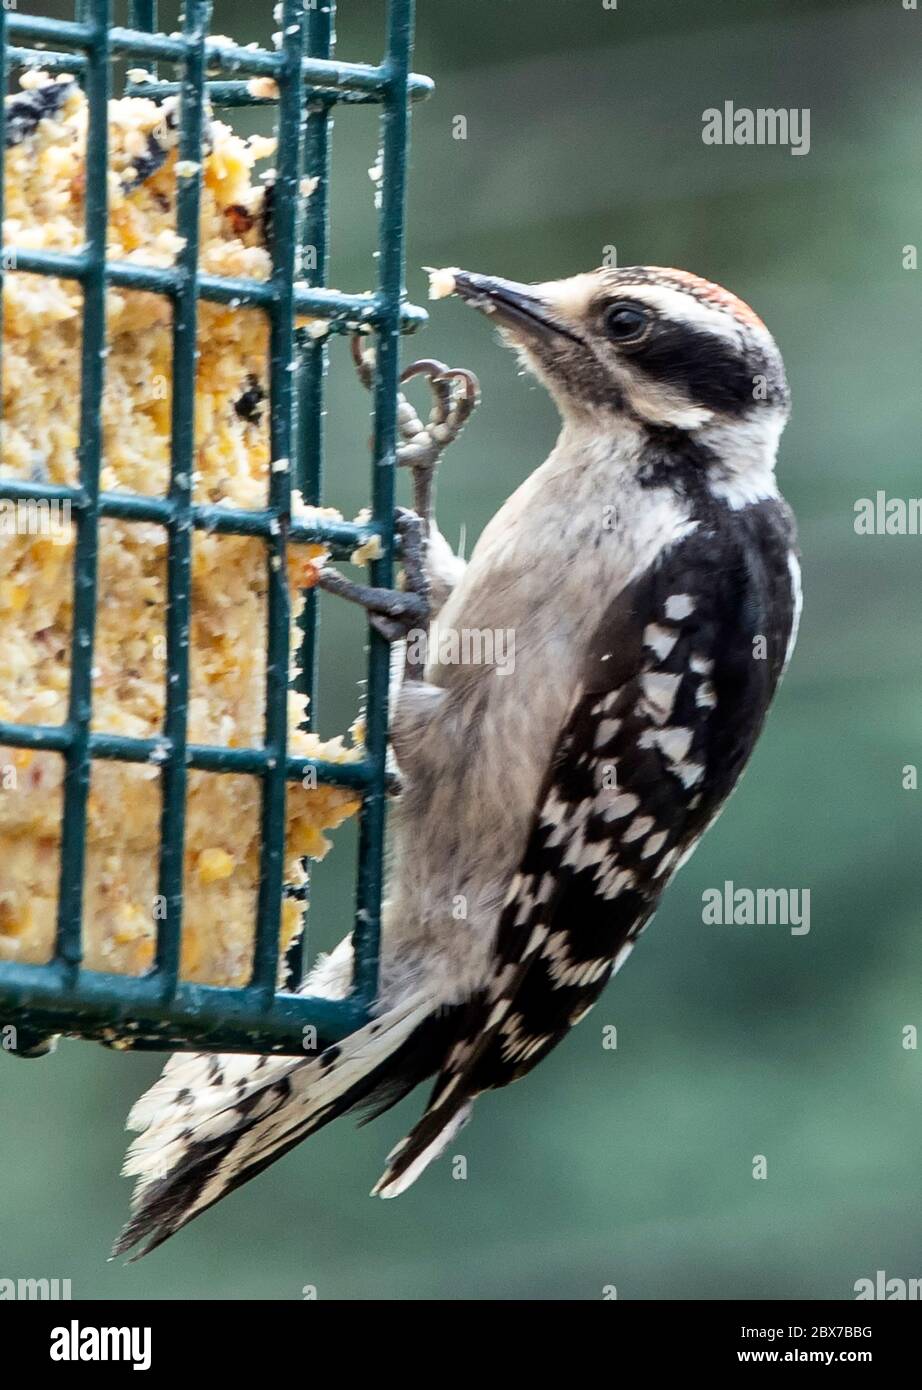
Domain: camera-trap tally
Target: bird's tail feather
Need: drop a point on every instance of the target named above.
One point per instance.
(213, 1122)
(413, 1155)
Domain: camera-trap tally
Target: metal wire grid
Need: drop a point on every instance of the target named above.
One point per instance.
(158, 1009)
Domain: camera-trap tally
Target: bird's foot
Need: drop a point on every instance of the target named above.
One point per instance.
(455, 392)
(394, 613)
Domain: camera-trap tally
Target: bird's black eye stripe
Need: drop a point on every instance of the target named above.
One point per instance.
(712, 371)
(626, 321)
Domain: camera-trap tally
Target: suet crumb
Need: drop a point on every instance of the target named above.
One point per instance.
(369, 550)
(44, 210)
(441, 282)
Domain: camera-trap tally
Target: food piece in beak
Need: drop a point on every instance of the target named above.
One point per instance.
(441, 282)
(515, 306)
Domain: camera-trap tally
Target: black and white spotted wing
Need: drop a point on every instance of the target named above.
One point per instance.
(680, 677)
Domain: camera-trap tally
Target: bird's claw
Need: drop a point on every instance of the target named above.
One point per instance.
(394, 613)
(455, 392)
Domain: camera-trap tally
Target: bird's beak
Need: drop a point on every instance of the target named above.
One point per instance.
(519, 308)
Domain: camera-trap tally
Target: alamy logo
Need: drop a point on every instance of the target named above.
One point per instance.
(466, 646)
(76, 1343)
(36, 516)
(892, 1289)
(757, 907)
(26, 1290)
(881, 515)
(766, 125)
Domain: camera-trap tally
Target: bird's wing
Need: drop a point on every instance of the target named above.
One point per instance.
(673, 697)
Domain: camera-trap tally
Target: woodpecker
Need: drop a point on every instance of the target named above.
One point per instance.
(648, 571)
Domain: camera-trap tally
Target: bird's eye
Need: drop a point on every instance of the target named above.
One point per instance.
(625, 323)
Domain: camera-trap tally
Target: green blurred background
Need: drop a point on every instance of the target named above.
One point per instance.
(630, 1167)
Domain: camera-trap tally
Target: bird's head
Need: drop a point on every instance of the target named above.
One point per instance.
(662, 348)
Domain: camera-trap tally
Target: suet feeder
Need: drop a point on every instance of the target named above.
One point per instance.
(159, 1009)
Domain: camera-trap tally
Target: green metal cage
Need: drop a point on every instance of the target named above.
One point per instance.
(158, 1009)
